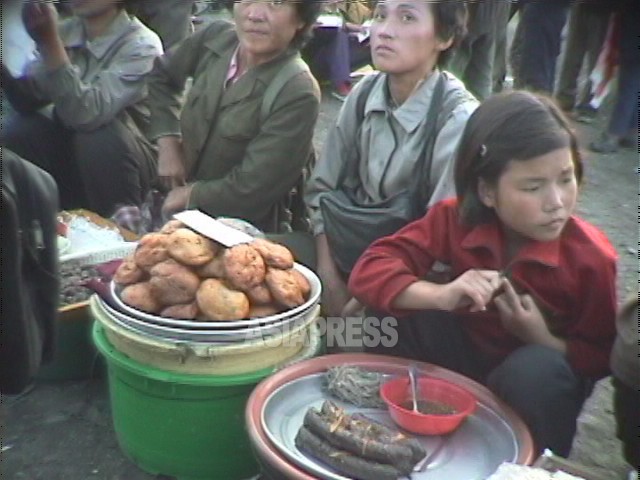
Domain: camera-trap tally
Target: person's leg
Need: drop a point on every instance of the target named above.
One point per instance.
(461, 57)
(542, 24)
(45, 143)
(626, 402)
(575, 50)
(540, 385)
(359, 53)
(478, 76)
(340, 64)
(435, 337)
(500, 50)
(116, 166)
(597, 24)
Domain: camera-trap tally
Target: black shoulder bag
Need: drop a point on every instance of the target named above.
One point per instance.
(350, 226)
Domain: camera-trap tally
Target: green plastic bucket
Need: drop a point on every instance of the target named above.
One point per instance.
(185, 426)
(75, 356)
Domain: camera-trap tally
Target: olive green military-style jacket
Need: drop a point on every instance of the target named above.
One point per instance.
(242, 165)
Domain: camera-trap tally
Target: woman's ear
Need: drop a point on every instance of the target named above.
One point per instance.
(443, 45)
(486, 193)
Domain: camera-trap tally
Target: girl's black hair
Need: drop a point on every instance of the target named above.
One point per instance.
(517, 126)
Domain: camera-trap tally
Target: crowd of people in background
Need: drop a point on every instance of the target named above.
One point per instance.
(126, 98)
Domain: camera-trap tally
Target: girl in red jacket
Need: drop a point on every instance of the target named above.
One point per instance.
(528, 302)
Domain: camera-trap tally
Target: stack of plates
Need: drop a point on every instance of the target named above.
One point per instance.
(214, 332)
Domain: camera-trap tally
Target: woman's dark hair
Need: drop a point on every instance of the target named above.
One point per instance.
(450, 19)
(515, 126)
(308, 11)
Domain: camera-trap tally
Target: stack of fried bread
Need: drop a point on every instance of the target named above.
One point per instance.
(178, 273)
(357, 446)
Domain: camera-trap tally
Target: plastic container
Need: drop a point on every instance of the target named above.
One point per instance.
(75, 356)
(186, 426)
(397, 392)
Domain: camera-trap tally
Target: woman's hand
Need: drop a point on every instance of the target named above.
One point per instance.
(171, 171)
(177, 200)
(521, 316)
(335, 294)
(41, 21)
(473, 289)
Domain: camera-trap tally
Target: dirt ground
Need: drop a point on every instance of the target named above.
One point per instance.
(63, 430)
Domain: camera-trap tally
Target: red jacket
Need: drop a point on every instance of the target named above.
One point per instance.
(572, 279)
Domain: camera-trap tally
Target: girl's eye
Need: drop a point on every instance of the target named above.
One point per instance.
(378, 16)
(277, 3)
(407, 17)
(531, 188)
(567, 179)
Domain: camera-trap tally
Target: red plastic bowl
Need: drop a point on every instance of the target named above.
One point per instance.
(398, 391)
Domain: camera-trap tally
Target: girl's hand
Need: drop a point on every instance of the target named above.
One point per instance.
(40, 20)
(521, 316)
(177, 200)
(473, 289)
(171, 171)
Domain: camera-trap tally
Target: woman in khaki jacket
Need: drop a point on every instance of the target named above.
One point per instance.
(219, 151)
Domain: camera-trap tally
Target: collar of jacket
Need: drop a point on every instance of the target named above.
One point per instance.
(412, 112)
(73, 34)
(223, 46)
(490, 237)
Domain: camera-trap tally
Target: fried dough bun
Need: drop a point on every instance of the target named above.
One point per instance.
(218, 302)
(151, 249)
(274, 254)
(260, 295)
(212, 269)
(244, 267)
(284, 287)
(173, 283)
(128, 272)
(190, 248)
(187, 311)
(139, 296)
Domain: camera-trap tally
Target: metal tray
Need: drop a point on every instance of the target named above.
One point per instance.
(207, 336)
(472, 452)
(314, 298)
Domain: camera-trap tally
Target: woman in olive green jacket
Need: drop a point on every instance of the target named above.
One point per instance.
(219, 151)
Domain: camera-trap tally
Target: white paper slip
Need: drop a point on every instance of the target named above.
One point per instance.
(328, 20)
(212, 228)
(366, 32)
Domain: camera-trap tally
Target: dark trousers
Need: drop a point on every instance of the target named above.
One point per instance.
(585, 36)
(333, 54)
(536, 381)
(541, 24)
(98, 170)
(473, 61)
(624, 116)
(626, 407)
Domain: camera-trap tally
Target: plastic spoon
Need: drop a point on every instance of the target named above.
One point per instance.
(412, 380)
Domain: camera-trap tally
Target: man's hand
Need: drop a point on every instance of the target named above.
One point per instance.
(41, 21)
